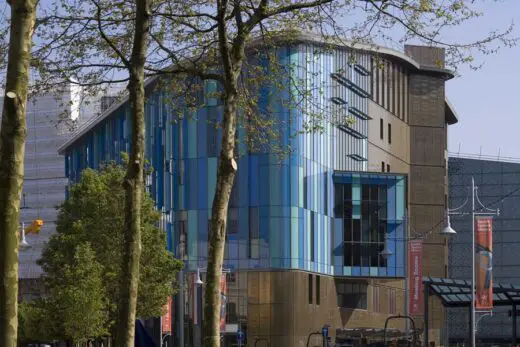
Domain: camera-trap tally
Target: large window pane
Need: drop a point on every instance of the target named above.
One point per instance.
(356, 254)
(347, 230)
(347, 206)
(382, 193)
(365, 231)
(374, 192)
(338, 201)
(351, 295)
(356, 230)
(347, 192)
(382, 261)
(347, 254)
(365, 192)
(374, 254)
(365, 254)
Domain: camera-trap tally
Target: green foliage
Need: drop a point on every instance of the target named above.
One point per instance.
(74, 310)
(82, 262)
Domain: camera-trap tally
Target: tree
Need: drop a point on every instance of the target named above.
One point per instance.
(12, 151)
(76, 310)
(82, 262)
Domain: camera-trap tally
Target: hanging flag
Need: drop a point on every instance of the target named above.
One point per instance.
(167, 317)
(484, 262)
(415, 285)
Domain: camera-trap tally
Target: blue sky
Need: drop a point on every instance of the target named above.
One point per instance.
(486, 100)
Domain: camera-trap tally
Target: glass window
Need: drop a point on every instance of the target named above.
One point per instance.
(382, 166)
(305, 192)
(389, 133)
(382, 193)
(347, 192)
(347, 206)
(365, 254)
(347, 254)
(347, 230)
(356, 230)
(318, 291)
(374, 192)
(232, 226)
(365, 231)
(312, 236)
(254, 233)
(381, 126)
(351, 295)
(326, 196)
(365, 191)
(310, 288)
(374, 254)
(338, 201)
(356, 254)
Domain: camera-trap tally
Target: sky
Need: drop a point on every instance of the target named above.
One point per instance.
(487, 100)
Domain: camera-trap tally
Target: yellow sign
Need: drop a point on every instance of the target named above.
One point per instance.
(35, 227)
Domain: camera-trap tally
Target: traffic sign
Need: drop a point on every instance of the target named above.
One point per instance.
(240, 336)
(325, 331)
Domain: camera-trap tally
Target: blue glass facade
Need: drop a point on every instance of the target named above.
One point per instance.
(282, 211)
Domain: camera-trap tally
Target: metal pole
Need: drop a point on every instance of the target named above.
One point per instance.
(514, 324)
(406, 289)
(179, 312)
(473, 341)
(426, 318)
(470, 326)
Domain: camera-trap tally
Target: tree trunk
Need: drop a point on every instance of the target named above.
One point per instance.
(12, 151)
(134, 181)
(225, 176)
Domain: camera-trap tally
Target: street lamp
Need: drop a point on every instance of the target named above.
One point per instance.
(448, 230)
(24, 244)
(198, 281)
(386, 252)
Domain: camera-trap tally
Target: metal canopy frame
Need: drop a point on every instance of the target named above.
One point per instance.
(457, 293)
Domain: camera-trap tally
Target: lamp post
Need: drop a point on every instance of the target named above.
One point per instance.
(484, 211)
(200, 283)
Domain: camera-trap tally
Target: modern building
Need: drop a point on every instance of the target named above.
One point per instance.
(51, 119)
(498, 183)
(304, 231)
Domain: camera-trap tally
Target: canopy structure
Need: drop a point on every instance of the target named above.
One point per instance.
(457, 293)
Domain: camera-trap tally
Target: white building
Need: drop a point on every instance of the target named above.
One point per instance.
(51, 119)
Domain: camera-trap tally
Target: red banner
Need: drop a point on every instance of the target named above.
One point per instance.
(166, 320)
(415, 285)
(223, 302)
(484, 262)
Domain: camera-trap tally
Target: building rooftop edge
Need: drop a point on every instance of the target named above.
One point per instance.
(450, 113)
(484, 157)
(299, 37)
